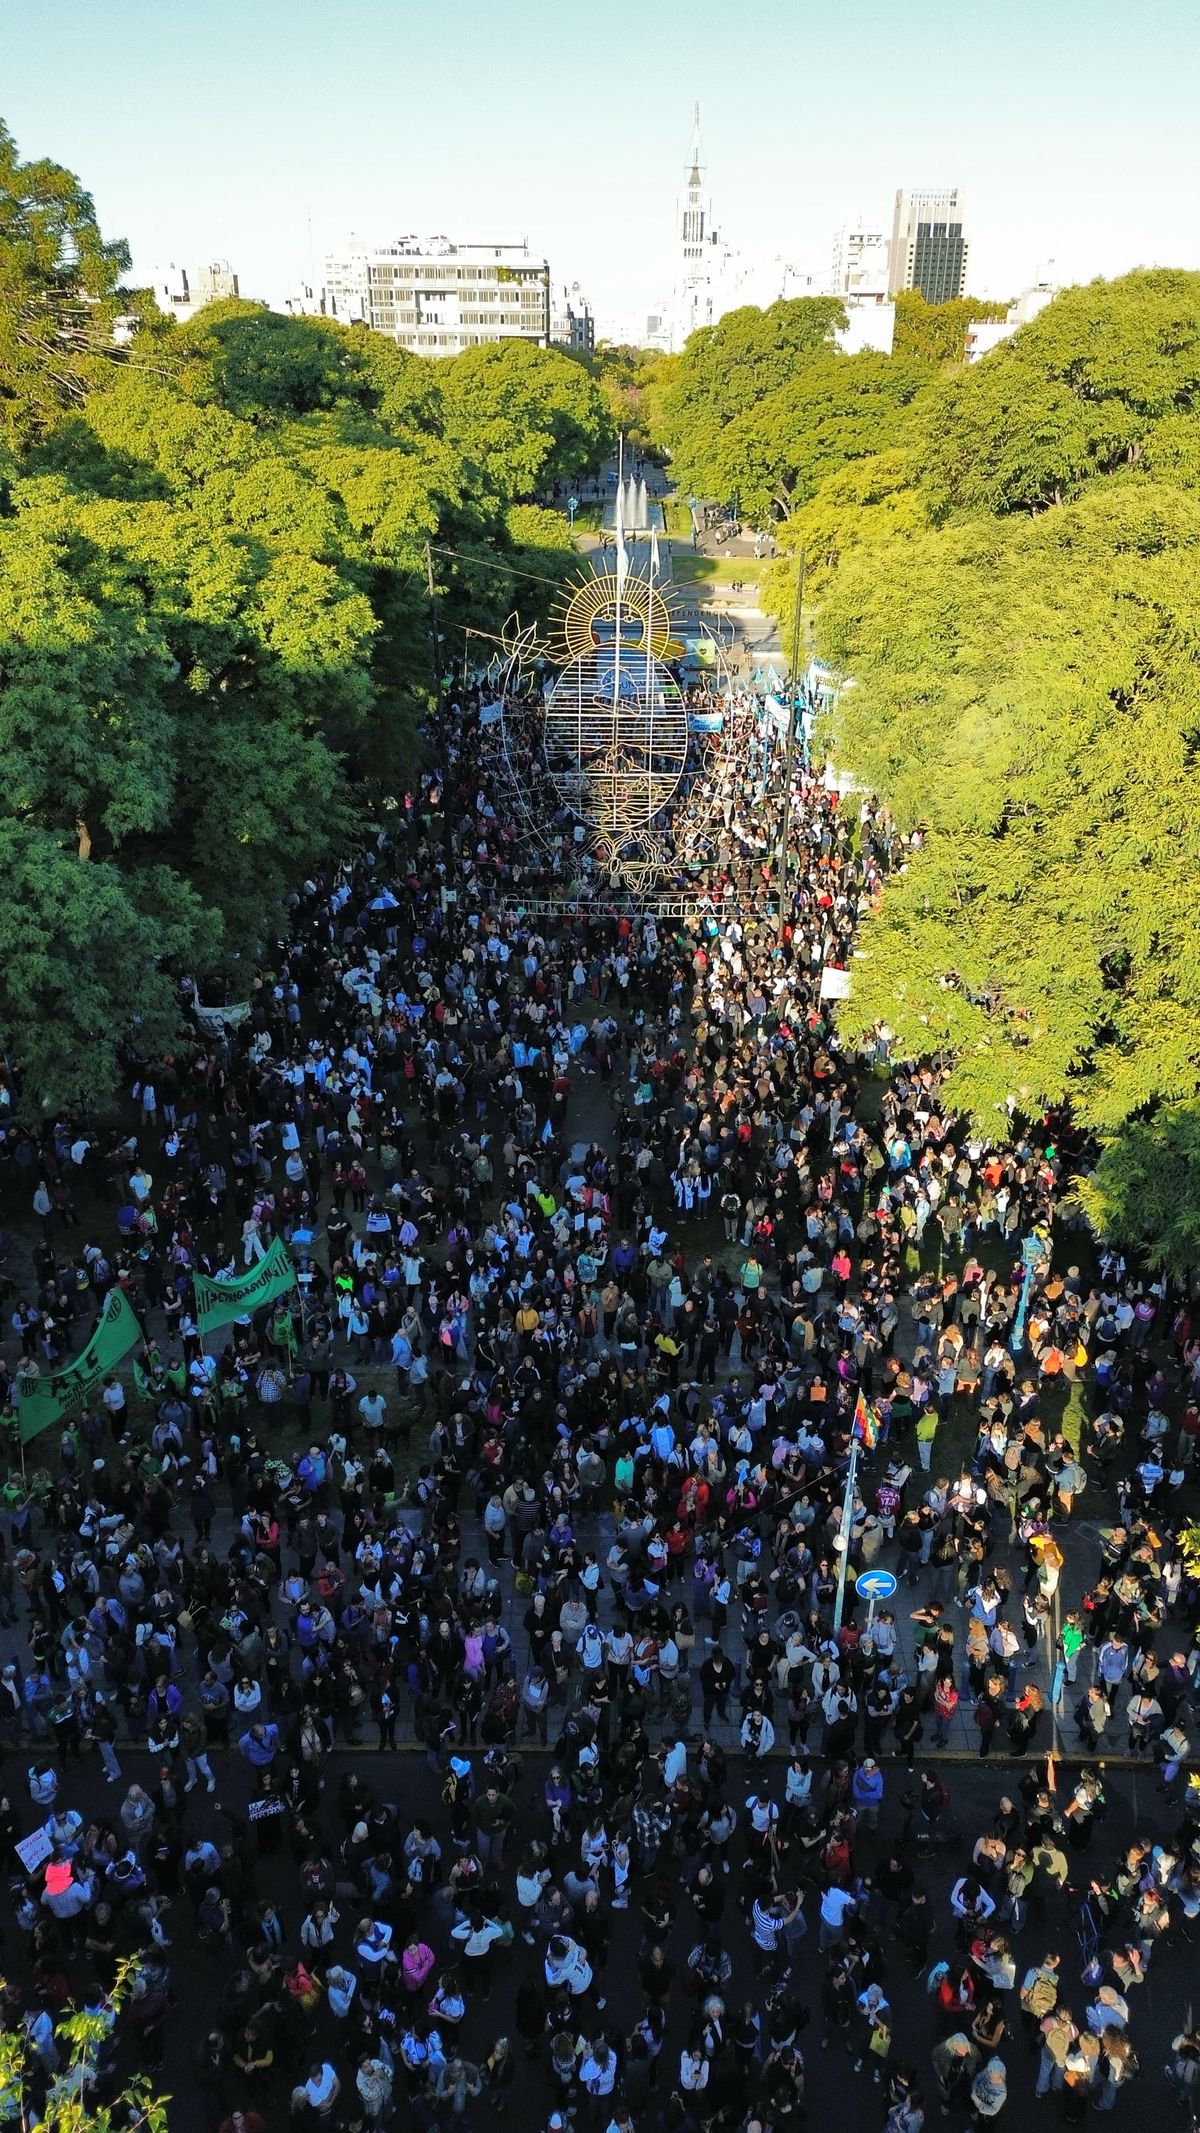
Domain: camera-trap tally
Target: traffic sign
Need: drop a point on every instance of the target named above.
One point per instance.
(874, 1584)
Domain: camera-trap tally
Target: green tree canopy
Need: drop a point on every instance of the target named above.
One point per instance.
(936, 334)
(214, 624)
(1011, 590)
(523, 417)
(1027, 701)
(1105, 381)
(835, 410)
(58, 279)
(866, 501)
(628, 379)
(728, 368)
(1144, 1192)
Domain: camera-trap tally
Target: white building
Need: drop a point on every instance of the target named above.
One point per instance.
(698, 261)
(861, 256)
(345, 293)
(929, 249)
(859, 278)
(305, 301)
(713, 276)
(869, 328)
(183, 294)
(571, 322)
(984, 334)
(437, 298)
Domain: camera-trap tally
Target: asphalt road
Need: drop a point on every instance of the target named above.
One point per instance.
(199, 1974)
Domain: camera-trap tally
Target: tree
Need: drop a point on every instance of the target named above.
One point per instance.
(628, 379)
(936, 334)
(523, 417)
(1104, 381)
(214, 641)
(726, 369)
(1144, 1192)
(864, 502)
(85, 952)
(1027, 700)
(58, 279)
(764, 408)
(834, 410)
(76, 2096)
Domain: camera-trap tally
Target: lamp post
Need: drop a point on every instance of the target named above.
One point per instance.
(844, 1536)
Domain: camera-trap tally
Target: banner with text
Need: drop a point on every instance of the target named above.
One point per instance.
(41, 1401)
(218, 1303)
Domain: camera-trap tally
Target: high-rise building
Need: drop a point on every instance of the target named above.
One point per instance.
(697, 242)
(713, 277)
(437, 298)
(929, 245)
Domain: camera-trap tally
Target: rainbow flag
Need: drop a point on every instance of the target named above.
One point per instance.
(866, 1424)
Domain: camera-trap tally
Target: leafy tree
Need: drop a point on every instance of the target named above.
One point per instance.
(540, 546)
(214, 639)
(865, 501)
(74, 2101)
(936, 334)
(523, 417)
(628, 379)
(1106, 380)
(835, 409)
(1027, 703)
(83, 955)
(727, 369)
(1144, 1192)
(264, 367)
(763, 407)
(58, 279)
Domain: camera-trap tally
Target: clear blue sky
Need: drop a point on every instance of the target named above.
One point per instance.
(214, 128)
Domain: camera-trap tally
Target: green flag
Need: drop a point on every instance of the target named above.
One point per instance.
(48, 1399)
(218, 1303)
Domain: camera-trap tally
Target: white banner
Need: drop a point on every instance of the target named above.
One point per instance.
(214, 1021)
(835, 984)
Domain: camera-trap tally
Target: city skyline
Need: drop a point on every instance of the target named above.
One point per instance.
(269, 146)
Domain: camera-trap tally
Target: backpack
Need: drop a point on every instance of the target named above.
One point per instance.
(1039, 1998)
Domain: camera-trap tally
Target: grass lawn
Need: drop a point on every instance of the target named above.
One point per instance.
(678, 518)
(715, 573)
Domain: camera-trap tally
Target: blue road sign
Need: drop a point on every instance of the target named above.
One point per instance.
(874, 1584)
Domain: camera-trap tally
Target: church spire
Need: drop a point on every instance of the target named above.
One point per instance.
(696, 166)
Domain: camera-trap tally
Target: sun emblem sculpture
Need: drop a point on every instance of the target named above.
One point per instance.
(615, 725)
(590, 730)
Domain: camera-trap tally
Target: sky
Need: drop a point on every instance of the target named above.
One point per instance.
(263, 132)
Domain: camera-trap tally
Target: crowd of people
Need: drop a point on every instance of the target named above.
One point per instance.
(601, 1242)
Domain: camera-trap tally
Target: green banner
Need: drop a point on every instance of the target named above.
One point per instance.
(218, 1303)
(64, 1392)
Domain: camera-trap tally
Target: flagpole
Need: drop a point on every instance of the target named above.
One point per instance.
(621, 566)
(651, 573)
(844, 1536)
